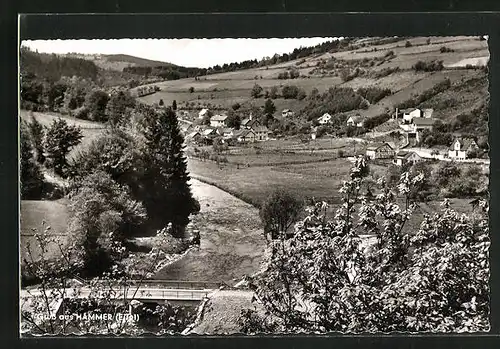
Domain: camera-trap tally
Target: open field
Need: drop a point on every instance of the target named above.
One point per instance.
(90, 130)
(33, 213)
(224, 89)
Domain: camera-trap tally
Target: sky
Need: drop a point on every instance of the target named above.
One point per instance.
(202, 53)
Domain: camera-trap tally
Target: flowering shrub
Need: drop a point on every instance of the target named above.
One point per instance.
(326, 277)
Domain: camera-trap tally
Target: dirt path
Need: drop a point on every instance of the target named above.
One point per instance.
(232, 244)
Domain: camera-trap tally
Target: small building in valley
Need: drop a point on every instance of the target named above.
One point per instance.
(225, 132)
(250, 122)
(357, 121)
(461, 147)
(218, 120)
(261, 133)
(245, 136)
(202, 113)
(410, 114)
(380, 151)
(404, 157)
(325, 119)
(287, 113)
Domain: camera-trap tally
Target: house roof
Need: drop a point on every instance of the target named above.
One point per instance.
(377, 146)
(286, 110)
(244, 133)
(193, 134)
(203, 112)
(224, 129)
(357, 118)
(465, 143)
(260, 129)
(405, 154)
(248, 121)
(218, 118)
(208, 131)
(408, 110)
(424, 121)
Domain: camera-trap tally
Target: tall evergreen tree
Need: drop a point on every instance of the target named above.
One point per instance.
(174, 105)
(168, 197)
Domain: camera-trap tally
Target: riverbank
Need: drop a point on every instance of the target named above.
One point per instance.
(232, 244)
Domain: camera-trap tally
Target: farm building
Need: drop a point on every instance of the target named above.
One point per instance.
(286, 113)
(225, 132)
(410, 114)
(194, 135)
(404, 157)
(261, 133)
(250, 122)
(245, 136)
(380, 151)
(202, 113)
(325, 119)
(209, 132)
(218, 120)
(461, 147)
(420, 124)
(357, 121)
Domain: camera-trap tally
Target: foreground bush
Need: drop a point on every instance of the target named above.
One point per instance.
(325, 278)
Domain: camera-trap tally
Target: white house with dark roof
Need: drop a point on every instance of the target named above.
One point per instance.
(410, 114)
(404, 157)
(380, 151)
(245, 135)
(261, 133)
(218, 120)
(461, 147)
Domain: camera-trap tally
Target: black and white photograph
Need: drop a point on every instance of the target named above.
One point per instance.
(218, 186)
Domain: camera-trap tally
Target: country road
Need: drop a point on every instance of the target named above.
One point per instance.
(232, 243)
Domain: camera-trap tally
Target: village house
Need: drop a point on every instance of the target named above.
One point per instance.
(461, 147)
(357, 121)
(250, 122)
(325, 119)
(261, 133)
(202, 113)
(194, 135)
(286, 113)
(380, 151)
(245, 136)
(209, 132)
(420, 124)
(225, 132)
(410, 114)
(404, 157)
(218, 120)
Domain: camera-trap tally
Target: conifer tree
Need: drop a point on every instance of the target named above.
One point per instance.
(167, 193)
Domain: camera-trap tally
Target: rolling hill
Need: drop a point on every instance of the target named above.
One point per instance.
(383, 63)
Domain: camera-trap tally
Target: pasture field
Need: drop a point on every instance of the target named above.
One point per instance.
(33, 212)
(90, 130)
(221, 91)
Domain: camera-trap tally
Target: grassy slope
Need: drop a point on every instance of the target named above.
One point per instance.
(223, 90)
(33, 213)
